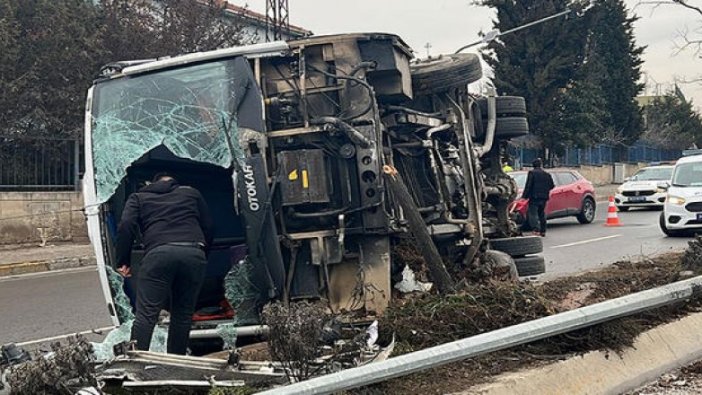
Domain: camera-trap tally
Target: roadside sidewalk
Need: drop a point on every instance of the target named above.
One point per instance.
(23, 260)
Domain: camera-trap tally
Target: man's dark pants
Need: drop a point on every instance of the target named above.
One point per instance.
(172, 273)
(536, 215)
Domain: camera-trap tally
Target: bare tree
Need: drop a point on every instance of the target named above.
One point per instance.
(687, 40)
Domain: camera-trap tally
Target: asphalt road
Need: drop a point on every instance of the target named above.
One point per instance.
(570, 247)
(50, 304)
(53, 304)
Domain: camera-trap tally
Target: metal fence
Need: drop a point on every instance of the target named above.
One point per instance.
(39, 164)
(597, 155)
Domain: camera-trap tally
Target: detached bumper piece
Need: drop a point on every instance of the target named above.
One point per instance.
(147, 370)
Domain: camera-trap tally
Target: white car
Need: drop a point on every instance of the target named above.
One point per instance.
(683, 207)
(647, 188)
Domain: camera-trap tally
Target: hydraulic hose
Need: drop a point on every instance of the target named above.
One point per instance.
(352, 133)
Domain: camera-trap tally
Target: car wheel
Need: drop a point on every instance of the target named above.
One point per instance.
(504, 105)
(445, 72)
(518, 246)
(530, 265)
(587, 212)
(623, 208)
(664, 228)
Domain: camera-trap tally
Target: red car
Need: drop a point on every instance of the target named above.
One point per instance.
(572, 196)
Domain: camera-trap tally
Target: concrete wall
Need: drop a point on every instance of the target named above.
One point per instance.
(603, 175)
(35, 217)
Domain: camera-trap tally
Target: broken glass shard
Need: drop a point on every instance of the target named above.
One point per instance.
(104, 351)
(228, 333)
(122, 305)
(241, 292)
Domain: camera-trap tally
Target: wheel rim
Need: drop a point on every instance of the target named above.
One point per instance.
(589, 210)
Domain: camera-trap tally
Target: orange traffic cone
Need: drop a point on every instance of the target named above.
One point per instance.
(612, 218)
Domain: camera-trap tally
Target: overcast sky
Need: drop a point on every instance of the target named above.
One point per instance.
(448, 24)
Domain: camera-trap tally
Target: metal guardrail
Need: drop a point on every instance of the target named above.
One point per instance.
(496, 340)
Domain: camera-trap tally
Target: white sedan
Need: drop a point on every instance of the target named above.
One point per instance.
(647, 188)
(683, 208)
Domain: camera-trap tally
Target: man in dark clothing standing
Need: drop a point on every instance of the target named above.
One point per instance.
(537, 189)
(176, 229)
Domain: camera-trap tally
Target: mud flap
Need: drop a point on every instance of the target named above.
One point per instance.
(364, 284)
(261, 234)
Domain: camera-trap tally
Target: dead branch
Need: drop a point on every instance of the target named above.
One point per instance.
(656, 4)
(687, 5)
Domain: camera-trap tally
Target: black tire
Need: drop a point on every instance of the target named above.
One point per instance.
(587, 211)
(530, 265)
(668, 232)
(445, 72)
(518, 246)
(509, 127)
(504, 105)
(623, 208)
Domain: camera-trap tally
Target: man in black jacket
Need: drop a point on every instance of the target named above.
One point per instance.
(176, 228)
(537, 189)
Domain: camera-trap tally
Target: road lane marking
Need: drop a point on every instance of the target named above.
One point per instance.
(60, 337)
(586, 241)
(49, 273)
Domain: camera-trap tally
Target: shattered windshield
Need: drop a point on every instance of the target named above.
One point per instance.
(190, 110)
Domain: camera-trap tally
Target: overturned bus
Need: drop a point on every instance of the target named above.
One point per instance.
(292, 145)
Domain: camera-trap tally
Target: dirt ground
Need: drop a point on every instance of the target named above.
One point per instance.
(424, 321)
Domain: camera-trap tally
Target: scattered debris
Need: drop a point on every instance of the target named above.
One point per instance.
(684, 381)
(65, 370)
(692, 258)
(433, 319)
(295, 337)
(145, 370)
(409, 283)
(305, 340)
(420, 322)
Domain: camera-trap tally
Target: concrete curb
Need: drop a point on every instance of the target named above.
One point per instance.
(12, 269)
(655, 352)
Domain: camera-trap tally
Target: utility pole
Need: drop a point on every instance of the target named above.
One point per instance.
(277, 20)
(427, 46)
(493, 34)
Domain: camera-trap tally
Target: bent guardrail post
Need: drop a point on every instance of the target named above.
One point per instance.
(496, 340)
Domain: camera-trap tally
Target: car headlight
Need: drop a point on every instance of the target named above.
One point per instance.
(676, 200)
(660, 190)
